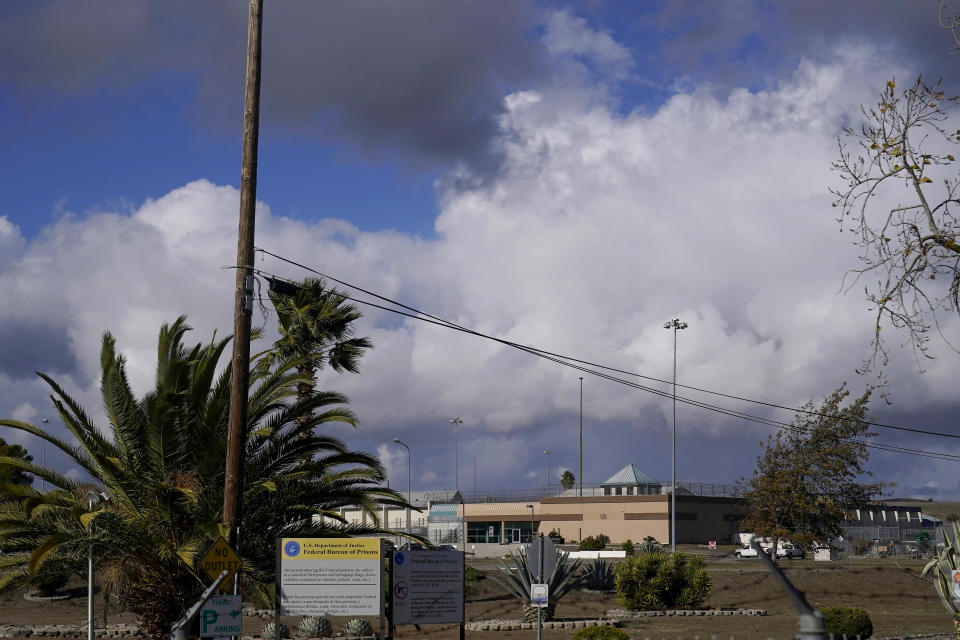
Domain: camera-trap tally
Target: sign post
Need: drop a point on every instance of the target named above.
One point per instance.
(220, 617)
(539, 595)
(330, 576)
(427, 586)
(220, 557)
(543, 552)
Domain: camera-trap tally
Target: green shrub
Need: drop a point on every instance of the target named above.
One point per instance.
(604, 632)
(627, 546)
(653, 581)
(52, 576)
(556, 537)
(604, 538)
(472, 574)
(847, 621)
(592, 544)
(470, 577)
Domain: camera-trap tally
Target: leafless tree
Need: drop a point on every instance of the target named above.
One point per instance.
(904, 222)
(949, 17)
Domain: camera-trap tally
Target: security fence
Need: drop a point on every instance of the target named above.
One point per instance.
(705, 489)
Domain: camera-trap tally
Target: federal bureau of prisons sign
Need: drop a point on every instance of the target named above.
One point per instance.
(330, 576)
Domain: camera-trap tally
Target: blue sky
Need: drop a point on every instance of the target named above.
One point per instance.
(568, 175)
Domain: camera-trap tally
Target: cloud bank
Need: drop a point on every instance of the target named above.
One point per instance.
(600, 226)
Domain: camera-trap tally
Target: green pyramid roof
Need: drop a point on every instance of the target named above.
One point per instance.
(630, 475)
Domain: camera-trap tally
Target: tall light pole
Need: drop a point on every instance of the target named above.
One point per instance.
(404, 444)
(43, 481)
(547, 453)
(530, 506)
(580, 477)
(456, 421)
(676, 325)
(92, 498)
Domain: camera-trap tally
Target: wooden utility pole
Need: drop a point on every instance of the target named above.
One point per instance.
(243, 303)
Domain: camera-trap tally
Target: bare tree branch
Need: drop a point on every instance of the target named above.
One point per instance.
(912, 248)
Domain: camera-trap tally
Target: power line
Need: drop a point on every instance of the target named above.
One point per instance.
(582, 365)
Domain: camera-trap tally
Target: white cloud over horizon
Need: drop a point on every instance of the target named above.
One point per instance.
(600, 227)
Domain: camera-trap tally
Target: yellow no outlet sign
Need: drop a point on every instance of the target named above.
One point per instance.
(221, 616)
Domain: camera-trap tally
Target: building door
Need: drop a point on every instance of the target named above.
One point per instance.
(513, 535)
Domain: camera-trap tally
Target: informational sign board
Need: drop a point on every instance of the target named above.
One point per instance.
(712, 544)
(539, 595)
(220, 557)
(427, 586)
(955, 583)
(221, 616)
(330, 576)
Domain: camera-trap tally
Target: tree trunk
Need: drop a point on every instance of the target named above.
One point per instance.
(530, 613)
(305, 389)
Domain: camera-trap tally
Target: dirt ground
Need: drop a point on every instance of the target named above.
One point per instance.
(898, 601)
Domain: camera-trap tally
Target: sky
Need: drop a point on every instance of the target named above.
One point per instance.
(563, 175)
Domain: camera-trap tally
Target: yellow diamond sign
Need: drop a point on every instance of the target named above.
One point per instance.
(220, 557)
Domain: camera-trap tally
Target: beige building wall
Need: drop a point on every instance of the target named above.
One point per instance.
(619, 517)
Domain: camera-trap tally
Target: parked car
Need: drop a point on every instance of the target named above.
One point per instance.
(746, 551)
(789, 551)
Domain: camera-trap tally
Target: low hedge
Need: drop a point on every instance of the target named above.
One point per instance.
(847, 621)
(603, 632)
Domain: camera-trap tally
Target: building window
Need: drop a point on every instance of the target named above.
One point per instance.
(619, 491)
(483, 532)
(606, 491)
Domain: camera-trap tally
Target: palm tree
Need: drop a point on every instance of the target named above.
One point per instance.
(316, 329)
(161, 461)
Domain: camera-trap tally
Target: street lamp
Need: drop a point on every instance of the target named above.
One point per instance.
(404, 444)
(547, 453)
(580, 477)
(93, 497)
(456, 421)
(530, 506)
(676, 325)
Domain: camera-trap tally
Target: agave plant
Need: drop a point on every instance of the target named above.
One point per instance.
(942, 567)
(357, 628)
(517, 580)
(649, 545)
(269, 631)
(315, 627)
(598, 575)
